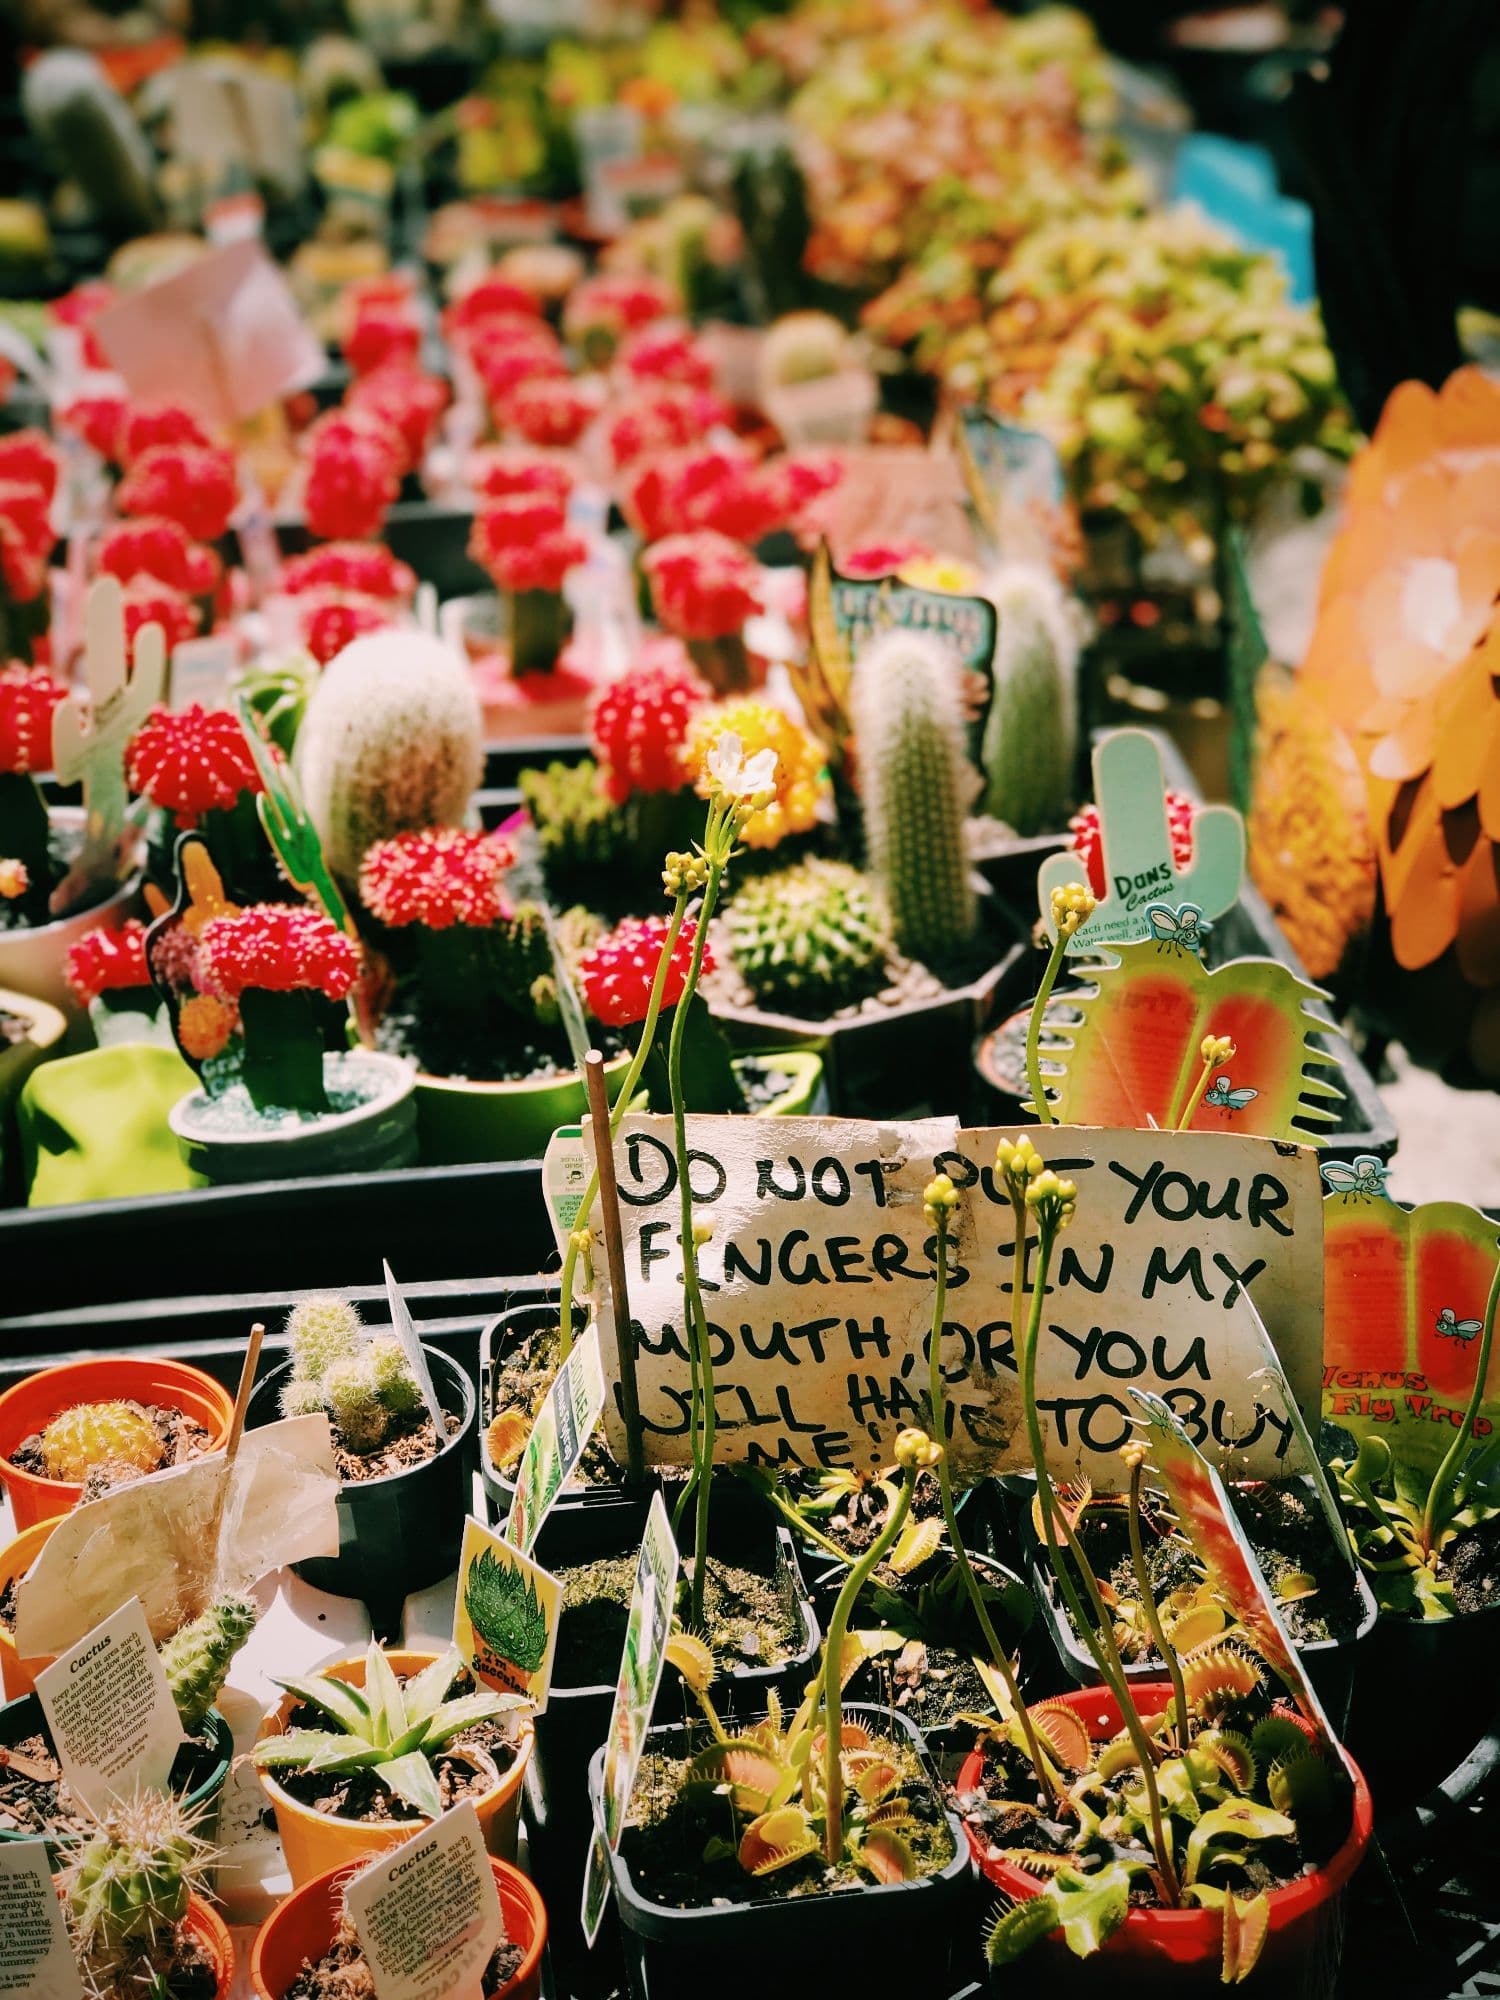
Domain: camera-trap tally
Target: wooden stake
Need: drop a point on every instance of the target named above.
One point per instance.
(614, 1250)
(242, 1394)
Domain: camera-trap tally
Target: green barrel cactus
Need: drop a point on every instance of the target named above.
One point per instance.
(1031, 733)
(128, 1888)
(810, 938)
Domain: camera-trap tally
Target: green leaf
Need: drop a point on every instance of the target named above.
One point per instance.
(412, 1778)
(423, 1693)
(387, 1708)
(1017, 1929)
(1238, 1819)
(345, 1753)
(294, 1749)
(339, 1702)
(456, 1716)
(1090, 1907)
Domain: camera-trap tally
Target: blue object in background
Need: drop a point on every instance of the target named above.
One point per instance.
(1235, 184)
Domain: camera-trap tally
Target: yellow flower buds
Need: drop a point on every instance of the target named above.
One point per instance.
(1052, 1197)
(1018, 1161)
(1216, 1049)
(917, 1452)
(582, 1240)
(702, 1233)
(1072, 906)
(684, 874)
(939, 1198)
(1133, 1453)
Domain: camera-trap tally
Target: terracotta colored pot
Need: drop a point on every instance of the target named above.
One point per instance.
(206, 1925)
(315, 1843)
(18, 1675)
(31, 1405)
(1174, 1952)
(302, 1927)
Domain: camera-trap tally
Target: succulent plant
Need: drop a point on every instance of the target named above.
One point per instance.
(323, 1328)
(810, 937)
(197, 1658)
(391, 1376)
(391, 741)
(803, 347)
(1031, 732)
(577, 825)
(352, 1401)
(914, 782)
(127, 1890)
(94, 1434)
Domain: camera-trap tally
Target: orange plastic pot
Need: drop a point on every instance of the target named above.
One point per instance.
(208, 1927)
(302, 1927)
(1180, 1952)
(132, 1378)
(315, 1842)
(18, 1675)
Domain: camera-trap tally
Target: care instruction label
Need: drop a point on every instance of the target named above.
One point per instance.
(428, 1914)
(113, 1721)
(35, 1956)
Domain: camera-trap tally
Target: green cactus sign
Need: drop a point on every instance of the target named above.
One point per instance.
(506, 1615)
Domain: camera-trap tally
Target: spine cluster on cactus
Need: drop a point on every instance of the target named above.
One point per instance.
(322, 1329)
(1031, 733)
(362, 1381)
(90, 1435)
(128, 1889)
(197, 1658)
(391, 741)
(915, 781)
(813, 936)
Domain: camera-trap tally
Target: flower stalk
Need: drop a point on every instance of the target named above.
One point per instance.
(1071, 906)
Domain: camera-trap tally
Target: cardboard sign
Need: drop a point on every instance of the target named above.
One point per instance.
(228, 117)
(1207, 1517)
(1128, 1047)
(427, 1914)
(563, 1426)
(818, 1278)
(416, 1359)
(182, 1537)
(222, 335)
(1130, 788)
(1405, 1294)
(36, 1958)
(113, 1721)
(505, 1615)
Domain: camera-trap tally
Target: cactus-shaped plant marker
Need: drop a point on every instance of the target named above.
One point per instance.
(89, 738)
(284, 820)
(1130, 787)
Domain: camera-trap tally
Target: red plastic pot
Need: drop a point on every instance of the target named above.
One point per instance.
(1180, 1951)
(302, 1927)
(133, 1378)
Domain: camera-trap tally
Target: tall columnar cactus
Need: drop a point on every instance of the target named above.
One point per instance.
(809, 937)
(1031, 735)
(197, 1658)
(391, 742)
(915, 783)
(128, 1889)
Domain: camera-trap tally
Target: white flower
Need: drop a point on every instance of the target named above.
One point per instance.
(732, 777)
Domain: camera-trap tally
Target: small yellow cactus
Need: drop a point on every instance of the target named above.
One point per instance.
(84, 1437)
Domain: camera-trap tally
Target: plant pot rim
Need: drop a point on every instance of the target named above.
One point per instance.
(215, 1728)
(403, 1660)
(826, 1027)
(125, 885)
(91, 1363)
(45, 1024)
(506, 1874)
(182, 1117)
(531, 1086)
(467, 1415)
(1201, 1930)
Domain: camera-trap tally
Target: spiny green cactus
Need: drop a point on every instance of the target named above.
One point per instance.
(391, 1376)
(914, 782)
(578, 827)
(391, 742)
(197, 1658)
(350, 1397)
(301, 1397)
(322, 1329)
(128, 1889)
(810, 937)
(1031, 734)
(94, 1434)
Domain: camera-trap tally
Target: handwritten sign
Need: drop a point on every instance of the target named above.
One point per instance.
(818, 1279)
(505, 1615)
(110, 1711)
(563, 1426)
(36, 1959)
(427, 1914)
(1131, 791)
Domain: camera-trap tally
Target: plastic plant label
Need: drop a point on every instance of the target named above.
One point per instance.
(427, 1914)
(110, 1711)
(563, 1426)
(36, 1958)
(1015, 483)
(1404, 1299)
(1130, 788)
(818, 1290)
(1207, 1517)
(1127, 1050)
(652, 1598)
(201, 670)
(505, 1615)
(411, 1347)
(565, 1178)
(597, 1882)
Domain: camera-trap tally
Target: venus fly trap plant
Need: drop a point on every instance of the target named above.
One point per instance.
(392, 1731)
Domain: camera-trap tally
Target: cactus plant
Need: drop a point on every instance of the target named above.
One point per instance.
(391, 741)
(811, 937)
(351, 1399)
(1031, 733)
(94, 1434)
(128, 1889)
(197, 1658)
(578, 827)
(363, 1383)
(323, 1328)
(914, 784)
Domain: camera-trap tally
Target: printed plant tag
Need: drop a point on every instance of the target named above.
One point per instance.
(597, 1882)
(201, 670)
(36, 1959)
(565, 1176)
(647, 1630)
(563, 1426)
(505, 1615)
(113, 1721)
(406, 1333)
(427, 1914)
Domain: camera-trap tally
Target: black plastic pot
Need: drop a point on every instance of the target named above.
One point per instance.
(1331, 1664)
(432, 538)
(886, 1938)
(399, 1533)
(1427, 1699)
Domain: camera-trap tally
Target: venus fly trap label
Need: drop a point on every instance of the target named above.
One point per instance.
(562, 1428)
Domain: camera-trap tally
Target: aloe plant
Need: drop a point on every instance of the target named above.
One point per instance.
(392, 1730)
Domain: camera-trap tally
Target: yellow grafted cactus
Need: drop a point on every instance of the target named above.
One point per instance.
(800, 782)
(92, 1434)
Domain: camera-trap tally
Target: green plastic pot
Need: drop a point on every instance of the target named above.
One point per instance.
(93, 1127)
(460, 1123)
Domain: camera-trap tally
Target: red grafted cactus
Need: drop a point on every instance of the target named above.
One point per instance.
(191, 762)
(617, 973)
(277, 948)
(438, 877)
(640, 723)
(104, 961)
